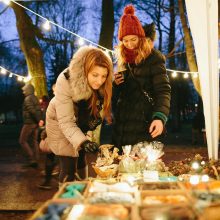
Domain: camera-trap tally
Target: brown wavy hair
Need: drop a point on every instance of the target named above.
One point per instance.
(96, 57)
(143, 51)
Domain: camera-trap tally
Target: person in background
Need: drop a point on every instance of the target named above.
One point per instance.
(82, 91)
(32, 118)
(143, 89)
(198, 123)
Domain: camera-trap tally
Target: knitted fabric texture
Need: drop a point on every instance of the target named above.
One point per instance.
(130, 24)
(130, 55)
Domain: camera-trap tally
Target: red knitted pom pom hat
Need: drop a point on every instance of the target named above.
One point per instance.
(130, 24)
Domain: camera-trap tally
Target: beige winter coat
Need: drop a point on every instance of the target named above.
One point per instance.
(64, 136)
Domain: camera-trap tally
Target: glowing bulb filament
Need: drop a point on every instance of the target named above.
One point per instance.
(174, 74)
(46, 25)
(81, 41)
(3, 71)
(186, 75)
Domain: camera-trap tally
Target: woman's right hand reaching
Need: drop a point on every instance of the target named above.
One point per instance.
(90, 146)
(119, 78)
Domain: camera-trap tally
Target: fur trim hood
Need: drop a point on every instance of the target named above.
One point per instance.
(80, 88)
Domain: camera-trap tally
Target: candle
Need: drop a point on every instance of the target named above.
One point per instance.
(205, 178)
(203, 163)
(195, 165)
(194, 180)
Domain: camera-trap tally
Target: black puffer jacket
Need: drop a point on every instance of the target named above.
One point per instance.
(134, 113)
(31, 107)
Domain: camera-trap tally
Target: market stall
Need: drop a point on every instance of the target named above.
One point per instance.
(138, 185)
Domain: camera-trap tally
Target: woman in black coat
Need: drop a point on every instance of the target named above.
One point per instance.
(143, 91)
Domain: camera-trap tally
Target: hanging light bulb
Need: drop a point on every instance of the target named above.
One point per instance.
(3, 71)
(174, 74)
(28, 78)
(7, 2)
(195, 75)
(46, 25)
(81, 41)
(10, 75)
(186, 75)
(107, 53)
(20, 78)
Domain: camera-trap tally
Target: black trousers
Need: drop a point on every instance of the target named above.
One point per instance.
(70, 165)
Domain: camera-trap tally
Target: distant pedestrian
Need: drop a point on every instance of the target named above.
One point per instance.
(32, 118)
(198, 126)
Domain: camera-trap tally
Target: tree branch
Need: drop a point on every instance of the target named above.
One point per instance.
(8, 41)
(171, 53)
(52, 41)
(4, 10)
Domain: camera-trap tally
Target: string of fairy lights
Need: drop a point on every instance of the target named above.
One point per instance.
(10, 74)
(46, 25)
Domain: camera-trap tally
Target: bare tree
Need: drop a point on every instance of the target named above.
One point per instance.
(31, 49)
(59, 45)
(156, 11)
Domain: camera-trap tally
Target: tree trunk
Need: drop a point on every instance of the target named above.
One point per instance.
(189, 46)
(107, 28)
(31, 49)
(175, 93)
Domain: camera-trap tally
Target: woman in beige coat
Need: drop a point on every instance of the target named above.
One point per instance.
(82, 91)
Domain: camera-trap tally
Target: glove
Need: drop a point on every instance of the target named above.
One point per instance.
(90, 146)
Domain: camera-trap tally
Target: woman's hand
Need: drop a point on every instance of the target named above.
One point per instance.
(119, 78)
(156, 128)
(90, 146)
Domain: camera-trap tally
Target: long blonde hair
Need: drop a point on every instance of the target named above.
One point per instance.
(143, 51)
(96, 57)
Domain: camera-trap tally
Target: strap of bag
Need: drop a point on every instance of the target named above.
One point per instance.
(145, 93)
